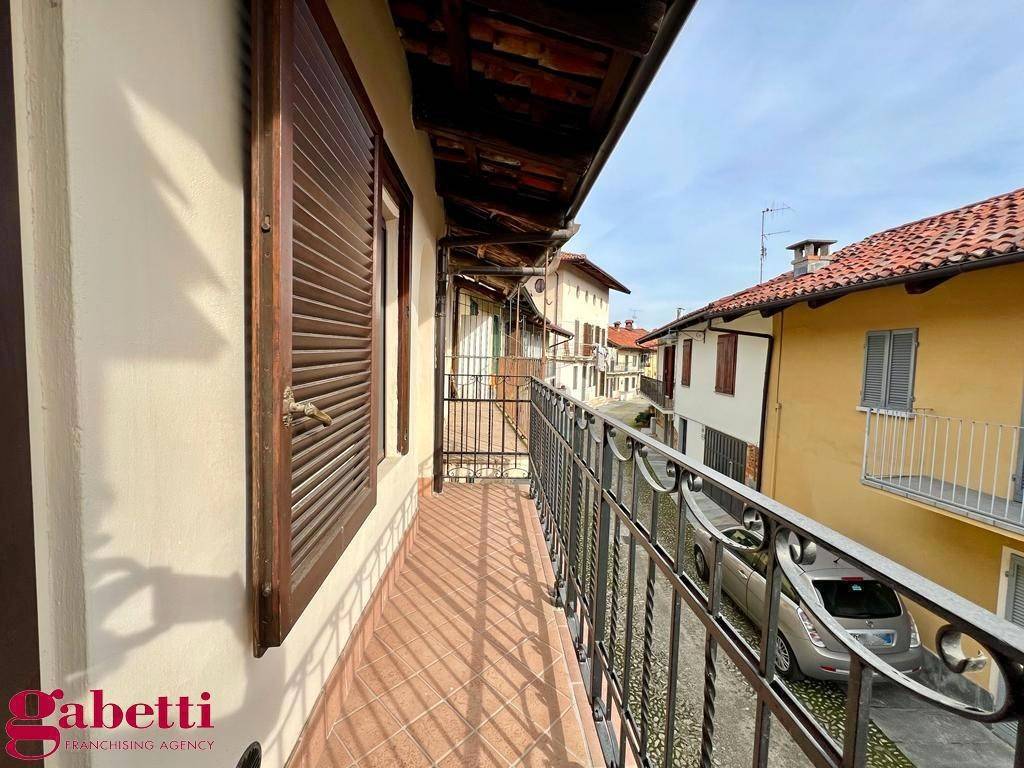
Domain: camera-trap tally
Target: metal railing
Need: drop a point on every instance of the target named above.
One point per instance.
(962, 465)
(619, 538)
(487, 417)
(654, 390)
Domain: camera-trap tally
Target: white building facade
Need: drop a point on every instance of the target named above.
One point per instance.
(574, 296)
(628, 360)
(713, 375)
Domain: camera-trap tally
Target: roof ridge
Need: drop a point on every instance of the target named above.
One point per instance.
(959, 208)
(983, 233)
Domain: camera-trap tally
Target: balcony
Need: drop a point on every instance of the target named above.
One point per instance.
(654, 390)
(471, 663)
(560, 621)
(964, 466)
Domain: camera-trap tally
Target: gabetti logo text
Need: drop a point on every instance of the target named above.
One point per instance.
(26, 728)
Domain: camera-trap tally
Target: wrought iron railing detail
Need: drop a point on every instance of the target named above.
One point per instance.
(590, 472)
(486, 418)
(967, 466)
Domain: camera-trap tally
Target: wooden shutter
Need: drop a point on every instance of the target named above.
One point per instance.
(902, 352)
(684, 363)
(316, 146)
(876, 369)
(1015, 592)
(725, 369)
(668, 373)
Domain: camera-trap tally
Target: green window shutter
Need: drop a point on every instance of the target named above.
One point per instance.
(876, 369)
(902, 353)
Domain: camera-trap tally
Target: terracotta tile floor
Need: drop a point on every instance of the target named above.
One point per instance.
(468, 668)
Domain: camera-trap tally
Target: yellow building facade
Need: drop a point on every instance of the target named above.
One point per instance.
(969, 363)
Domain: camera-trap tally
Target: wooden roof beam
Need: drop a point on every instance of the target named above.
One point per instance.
(458, 43)
(508, 203)
(518, 140)
(618, 69)
(629, 27)
(558, 236)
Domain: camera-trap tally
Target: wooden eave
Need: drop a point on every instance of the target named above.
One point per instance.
(522, 99)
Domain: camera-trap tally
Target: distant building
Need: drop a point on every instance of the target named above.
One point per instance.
(574, 297)
(709, 391)
(628, 360)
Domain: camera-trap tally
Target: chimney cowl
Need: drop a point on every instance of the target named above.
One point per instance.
(616, 324)
(810, 255)
(629, 324)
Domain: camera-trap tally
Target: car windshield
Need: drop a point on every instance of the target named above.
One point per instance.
(858, 599)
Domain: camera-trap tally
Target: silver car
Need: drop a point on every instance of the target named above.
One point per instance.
(871, 611)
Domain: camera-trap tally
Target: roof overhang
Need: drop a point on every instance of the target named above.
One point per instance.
(523, 101)
(914, 282)
(594, 272)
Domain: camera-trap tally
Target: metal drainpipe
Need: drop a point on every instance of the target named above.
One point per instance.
(764, 392)
(440, 318)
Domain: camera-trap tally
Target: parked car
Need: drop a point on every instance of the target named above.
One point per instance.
(870, 610)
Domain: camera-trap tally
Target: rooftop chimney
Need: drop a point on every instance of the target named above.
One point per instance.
(616, 324)
(810, 255)
(629, 324)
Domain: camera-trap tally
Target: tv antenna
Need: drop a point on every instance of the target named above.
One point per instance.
(769, 211)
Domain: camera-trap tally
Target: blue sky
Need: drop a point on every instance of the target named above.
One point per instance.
(859, 115)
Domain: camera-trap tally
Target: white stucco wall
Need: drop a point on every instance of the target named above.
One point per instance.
(627, 365)
(566, 309)
(738, 415)
(137, 352)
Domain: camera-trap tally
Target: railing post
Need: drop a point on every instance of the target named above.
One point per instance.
(867, 440)
(575, 511)
(769, 638)
(440, 324)
(628, 716)
(599, 596)
(558, 552)
(858, 714)
(675, 629)
(533, 438)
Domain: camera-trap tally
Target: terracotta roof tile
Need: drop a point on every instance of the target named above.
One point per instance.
(626, 338)
(975, 232)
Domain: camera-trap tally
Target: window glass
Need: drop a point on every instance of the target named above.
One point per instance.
(744, 538)
(864, 599)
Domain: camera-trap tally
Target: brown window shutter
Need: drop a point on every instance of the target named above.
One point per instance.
(588, 339)
(316, 147)
(668, 374)
(725, 371)
(684, 364)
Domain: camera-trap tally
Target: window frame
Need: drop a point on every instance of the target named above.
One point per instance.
(392, 179)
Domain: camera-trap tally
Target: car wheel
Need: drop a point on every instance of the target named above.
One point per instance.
(785, 661)
(700, 564)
